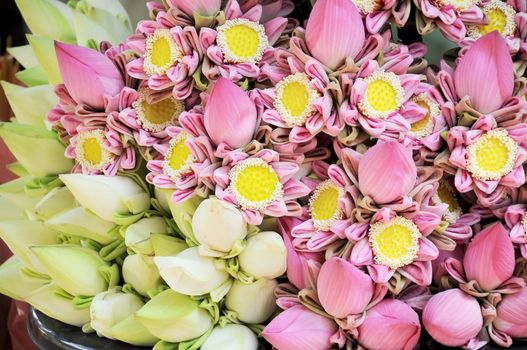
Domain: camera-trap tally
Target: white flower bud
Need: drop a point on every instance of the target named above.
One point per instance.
(141, 273)
(231, 337)
(137, 236)
(255, 302)
(264, 256)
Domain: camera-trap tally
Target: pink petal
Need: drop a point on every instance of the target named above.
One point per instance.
(485, 73)
(489, 258)
(202, 7)
(334, 31)
(512, 315)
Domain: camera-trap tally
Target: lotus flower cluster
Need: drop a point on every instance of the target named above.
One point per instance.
(233, 175)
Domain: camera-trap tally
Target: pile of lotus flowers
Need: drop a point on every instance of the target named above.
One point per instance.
(231, 177)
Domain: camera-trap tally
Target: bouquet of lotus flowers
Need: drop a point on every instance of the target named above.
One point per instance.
(232, 177)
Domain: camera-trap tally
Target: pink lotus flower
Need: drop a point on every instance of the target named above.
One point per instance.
(201, 7)
(260, 185)
(330, 25)
(485, 74)
(511, 319)
(378, 13)
(452, 317)
(169, 55)
(298, 328)
(230, 116)
(390, 325)
(88, 75)
(516, 222)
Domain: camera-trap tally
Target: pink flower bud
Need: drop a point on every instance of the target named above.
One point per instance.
(201, 7)
(512, 315)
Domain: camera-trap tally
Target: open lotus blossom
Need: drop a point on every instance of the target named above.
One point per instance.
(451, 17)
(378, 13)
(259, 184)
(100, 151)
(168, 55)
(236, 47)
(182, 164)
(516, 222)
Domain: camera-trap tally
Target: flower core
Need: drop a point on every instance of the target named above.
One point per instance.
(324, 205)
(501, 17)
(293, 99)
(155, 117)
(90, 151)
(384, 95)
(161, 52)
(242, 40)
(445, 195)
(458, 5)
(424, 127)
(368, 6)
(178, 157)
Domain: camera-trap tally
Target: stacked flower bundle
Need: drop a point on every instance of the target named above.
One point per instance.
(225, 175)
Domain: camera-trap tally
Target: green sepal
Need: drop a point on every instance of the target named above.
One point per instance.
(111, 274)
(81, 302)
(113, 250)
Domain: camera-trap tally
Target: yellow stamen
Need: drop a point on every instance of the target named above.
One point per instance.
(524, 223)
(293, 99)
(368, 6)
(178, 158)
(384, 95)
(445, 195)
(157, 116)
(324, 205)
(242, 40)
(255, 184)
(162, 52)
(90, 151)
(394, 243)
(492, 155)
(501, 18)
(424, 127)
(458, 5)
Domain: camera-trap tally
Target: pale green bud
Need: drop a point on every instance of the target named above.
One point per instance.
(231, 337)
(255, 302)
(264, 256)
(141, 273)
(137, 235)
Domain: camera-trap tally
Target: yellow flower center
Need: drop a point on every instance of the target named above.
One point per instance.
(367, 6)
(255, 184)
(492, 156)
(424, 127)
(384, 95)
(242, 40)
(324, 205)
(155, 117)
(445, 195)
(501, 17)
(178, 158)
(458, 5)
(293, 99)
(90, 151)
(162, 52)
(394, 243)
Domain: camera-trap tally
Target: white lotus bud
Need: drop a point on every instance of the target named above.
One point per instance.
(141, 273)
(14, 283)
(137, 236)
(190, 273)
(54, 202)
(264, 256)
(218, 225)
(231, 337)
(255, 302)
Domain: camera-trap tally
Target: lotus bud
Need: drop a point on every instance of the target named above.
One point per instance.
(218, 225)
(42, 100)
(44, 50)
(15, 284)
(81, 222)
(230, 115)
(38, 150)
(24, 55)
(489, 258)
(56, 24)
(298, 328)
(8, 211)
(20, 235)
(452, 317)
(255, 302)
(231, 337)
(109, 309)
(174, 317)
(162, 198)
(107, 195)
(88, 75)
(201, 7)
(264, 256)
(137, 236)
(15, 192)
(512, 314)
(183, 212)
(485, 73)
(54, 202)
(190, 273)
(382, 166)
(343, 289)
(75, 269)
(328, 29)
(390, 325)
(50, 301)
(165, 245)
(141, 273)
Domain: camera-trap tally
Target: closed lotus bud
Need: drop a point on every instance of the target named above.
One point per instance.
(190, 273)
(512, 314)
(137, 236)
(264, 256)
(174, 317)
(255, 302)
(162, 198)
(390, 325)
(107, 195)
(183, 212)
(452, 317)
(54, 202)
(59, 26)
(141, 273)
(9, 211)
(201, 7)
(50, 301)
(328, 29)
(165, 245)
(42, 100)
(230, 115)
(15, 284)
(37, 149)
(218, 225)
(83, 223)
(15, 192)
(382, 166)
(109, 310)
(75, 269)
(44, 51)
(231, 337)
